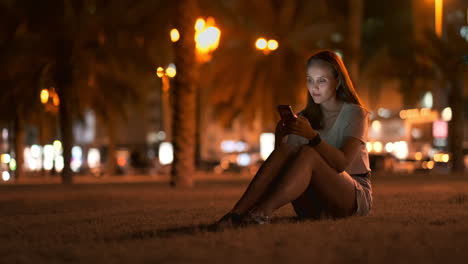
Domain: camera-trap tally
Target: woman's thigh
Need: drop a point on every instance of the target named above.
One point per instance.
(328, 190)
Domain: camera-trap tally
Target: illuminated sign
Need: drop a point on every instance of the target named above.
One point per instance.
(440, 129)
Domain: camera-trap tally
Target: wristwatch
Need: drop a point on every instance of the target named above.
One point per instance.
(315, 141)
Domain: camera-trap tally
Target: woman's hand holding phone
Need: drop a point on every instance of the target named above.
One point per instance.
(301, 127)
(287, 115)
(281, 129)
(291, 123)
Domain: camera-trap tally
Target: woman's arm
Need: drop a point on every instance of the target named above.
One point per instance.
(339, 158)
(336, 158)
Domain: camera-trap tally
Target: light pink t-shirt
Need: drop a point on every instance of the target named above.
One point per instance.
(352, 121)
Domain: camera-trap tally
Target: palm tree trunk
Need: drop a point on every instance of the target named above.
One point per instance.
(112, 148)
(456, 135)
(64, 80)
(198, 129)
(19, 146)
(184, 118)
(166, 108)
(42, 136)
(354, 36)
(67, 140)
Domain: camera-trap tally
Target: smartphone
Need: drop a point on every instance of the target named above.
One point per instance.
(286, 112)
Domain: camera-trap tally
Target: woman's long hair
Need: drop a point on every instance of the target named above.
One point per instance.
(345, 91)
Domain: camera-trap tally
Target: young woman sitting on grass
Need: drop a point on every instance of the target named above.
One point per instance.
(322, 167)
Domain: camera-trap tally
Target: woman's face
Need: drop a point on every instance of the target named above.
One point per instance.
(321, 82)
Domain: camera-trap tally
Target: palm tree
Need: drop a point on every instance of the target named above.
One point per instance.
(447, 56)
(356, 10)
(184, 94)
(73, 53)
(246, 82)
(22, 69)
(118, 68)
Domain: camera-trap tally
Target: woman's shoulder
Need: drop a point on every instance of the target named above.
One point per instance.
(354, 110)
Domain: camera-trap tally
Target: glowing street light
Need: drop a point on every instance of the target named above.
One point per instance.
(5, 158)
(171, 70)
(447, 114)
(175, 36)
(272, 44)
(266, 46)
(5, 176)
(199, 24)
(165, 74)
(47, 94)
(261, 43)
(207, 37)
(55, 100)
(44, 96)
(160, 72)
(438, 15)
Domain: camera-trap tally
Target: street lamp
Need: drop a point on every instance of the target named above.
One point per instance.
(266, 46)
(438, 16)
(50, 100)
(44, 96)
(165, 74)
(207, 37)
(175, 36)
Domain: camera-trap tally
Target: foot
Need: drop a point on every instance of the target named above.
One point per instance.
(229, 220)
(255, 219)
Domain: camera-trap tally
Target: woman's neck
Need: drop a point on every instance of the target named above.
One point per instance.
(331, 106)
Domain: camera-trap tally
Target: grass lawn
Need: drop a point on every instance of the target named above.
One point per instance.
(421, 219)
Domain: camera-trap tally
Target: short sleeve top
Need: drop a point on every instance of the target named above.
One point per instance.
(352, 121)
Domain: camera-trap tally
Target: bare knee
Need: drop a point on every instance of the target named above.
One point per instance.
(287, 149)
(307, 152)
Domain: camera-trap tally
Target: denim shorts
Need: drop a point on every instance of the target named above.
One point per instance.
(363, 195)
(363, 188)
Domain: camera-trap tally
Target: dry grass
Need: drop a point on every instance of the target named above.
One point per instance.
(415, 219)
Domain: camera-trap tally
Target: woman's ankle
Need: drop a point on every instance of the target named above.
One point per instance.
(238, 210)
(261, 212)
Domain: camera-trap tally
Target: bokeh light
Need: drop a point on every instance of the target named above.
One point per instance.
(261, 43)
(166, 153)
(175, 36)
(272, 44)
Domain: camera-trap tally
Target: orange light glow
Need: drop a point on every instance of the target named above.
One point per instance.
(438, 16)
(207, 37)
(403, 114)
(272, 44)
(261, 44)
(418, 156)
(160, 72)
(430, 165)
(55, 100)
(369, 146)
(175, 36)
(447, 114)
(377, 146)
(199, 24)
(44, 96)
(445, 157)
(171, 71)
(121, 161)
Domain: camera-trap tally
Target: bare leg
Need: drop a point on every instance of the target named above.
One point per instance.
(269, 170)
(309, 168)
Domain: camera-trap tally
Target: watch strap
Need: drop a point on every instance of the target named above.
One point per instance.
(315, 141)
